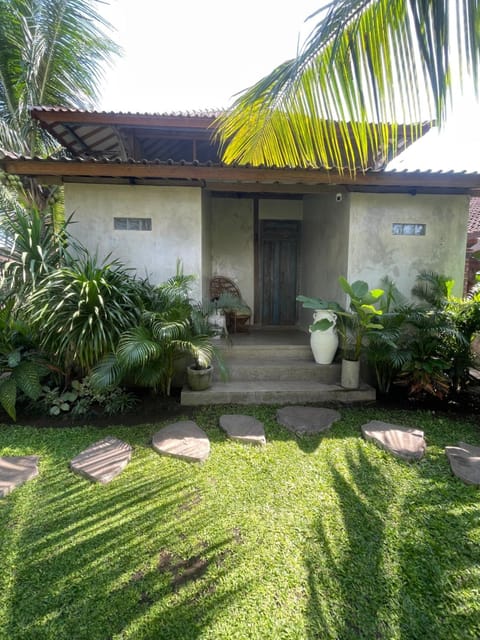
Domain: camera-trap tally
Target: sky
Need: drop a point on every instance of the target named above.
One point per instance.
(190, 55)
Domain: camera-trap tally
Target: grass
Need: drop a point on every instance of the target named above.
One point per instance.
(308, 538)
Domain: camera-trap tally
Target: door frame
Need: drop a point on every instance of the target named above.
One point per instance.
(258, 275)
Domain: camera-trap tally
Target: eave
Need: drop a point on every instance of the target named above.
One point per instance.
(235, 178)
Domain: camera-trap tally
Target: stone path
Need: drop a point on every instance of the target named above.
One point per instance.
(15, 470)
(465, 462)
(184, 440)
(307, 421)
(243, 428)
(403, 442)
(102, 461)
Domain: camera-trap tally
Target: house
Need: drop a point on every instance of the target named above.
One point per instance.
(151, 189)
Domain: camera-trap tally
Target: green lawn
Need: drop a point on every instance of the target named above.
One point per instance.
(308, 538)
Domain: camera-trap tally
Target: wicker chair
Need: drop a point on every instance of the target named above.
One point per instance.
(237, 314)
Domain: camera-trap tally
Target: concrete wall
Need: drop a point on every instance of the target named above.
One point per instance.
(374, 252)
(176, 233)
(324, 255)
(206, 243)
(276, 209)
(232, 251)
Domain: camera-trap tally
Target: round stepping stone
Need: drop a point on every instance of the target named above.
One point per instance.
(403, 442)
(184, 440)
(102, 461)
(465, 462)
(15, 470)
(243, 428)
(307, 421)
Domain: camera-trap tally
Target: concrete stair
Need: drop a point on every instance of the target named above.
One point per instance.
(261, 373)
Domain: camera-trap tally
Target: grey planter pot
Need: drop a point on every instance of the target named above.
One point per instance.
(199, 379)
(350, 374)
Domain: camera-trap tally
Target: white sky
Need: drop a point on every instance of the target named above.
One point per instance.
(192, 55)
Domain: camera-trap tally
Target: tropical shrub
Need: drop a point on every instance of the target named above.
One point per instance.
(21, 366)
(357, 321)
(82, 397)
(436, 336)
(34, 244)
(146, 353)
(79, 311)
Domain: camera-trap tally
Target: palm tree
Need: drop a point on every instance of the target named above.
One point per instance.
(52, 52)
(366, 63)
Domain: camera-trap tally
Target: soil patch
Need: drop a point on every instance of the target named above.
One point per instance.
(150, 408)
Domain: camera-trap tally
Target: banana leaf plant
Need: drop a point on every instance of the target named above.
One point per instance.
(357, 321)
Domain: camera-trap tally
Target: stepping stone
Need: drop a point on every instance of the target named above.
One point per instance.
(102, 461)
(184, 440)
(465, 462)
(15, 470)
(307, 421)
(403, 442)
(243, 428)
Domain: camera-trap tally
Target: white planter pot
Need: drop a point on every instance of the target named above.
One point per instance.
(218, 324)
(324, 343)
(350, 374)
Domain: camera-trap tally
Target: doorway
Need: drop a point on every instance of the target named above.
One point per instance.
(278, 250)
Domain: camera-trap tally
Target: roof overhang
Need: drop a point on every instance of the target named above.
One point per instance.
(236, 178)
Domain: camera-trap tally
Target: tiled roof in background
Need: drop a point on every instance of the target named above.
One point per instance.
(474, 218)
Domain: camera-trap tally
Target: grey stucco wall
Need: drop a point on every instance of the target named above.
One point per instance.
(176, 233)
(375, 252)
(325, 244)
(232, 243)
(275, 209)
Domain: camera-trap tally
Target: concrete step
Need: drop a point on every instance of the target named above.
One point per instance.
(276, 392)
(247, 352)
(273, 369)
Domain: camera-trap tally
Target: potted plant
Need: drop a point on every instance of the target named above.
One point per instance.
(200, 372)
(355, 323)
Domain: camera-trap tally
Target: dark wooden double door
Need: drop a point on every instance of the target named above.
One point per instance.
(278, 251)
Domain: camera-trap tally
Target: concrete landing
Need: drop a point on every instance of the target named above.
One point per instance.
(276, 392)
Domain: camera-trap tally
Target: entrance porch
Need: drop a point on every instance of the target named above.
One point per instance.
(275, 366)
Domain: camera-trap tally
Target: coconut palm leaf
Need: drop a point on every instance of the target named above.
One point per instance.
(366, 63)
(52, 52)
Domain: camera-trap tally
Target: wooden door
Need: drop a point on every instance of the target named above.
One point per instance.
(279, 246)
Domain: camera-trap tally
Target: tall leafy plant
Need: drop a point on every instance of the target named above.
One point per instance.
(21, 367)
(358, 320)
(80, 311)
(34, 244)
(146, 353)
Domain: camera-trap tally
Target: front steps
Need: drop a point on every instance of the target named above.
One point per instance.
(273, 373)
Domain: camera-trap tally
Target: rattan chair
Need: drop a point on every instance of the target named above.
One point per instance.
(237, 314)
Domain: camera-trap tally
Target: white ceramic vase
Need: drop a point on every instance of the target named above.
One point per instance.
(324, 343)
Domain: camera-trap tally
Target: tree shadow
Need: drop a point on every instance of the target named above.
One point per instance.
(347, 586)
(91, 565)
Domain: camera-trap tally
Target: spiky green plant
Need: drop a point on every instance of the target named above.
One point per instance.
(80, 311)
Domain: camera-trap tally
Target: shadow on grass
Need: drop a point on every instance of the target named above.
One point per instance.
(397, 557)
(88, 561)
(346, 579)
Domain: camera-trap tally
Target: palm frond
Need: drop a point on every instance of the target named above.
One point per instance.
(367, 63)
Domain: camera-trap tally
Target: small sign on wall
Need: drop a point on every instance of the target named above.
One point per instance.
(408, 229)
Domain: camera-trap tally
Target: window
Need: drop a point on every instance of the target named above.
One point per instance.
(132, 224)
(409, 229)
